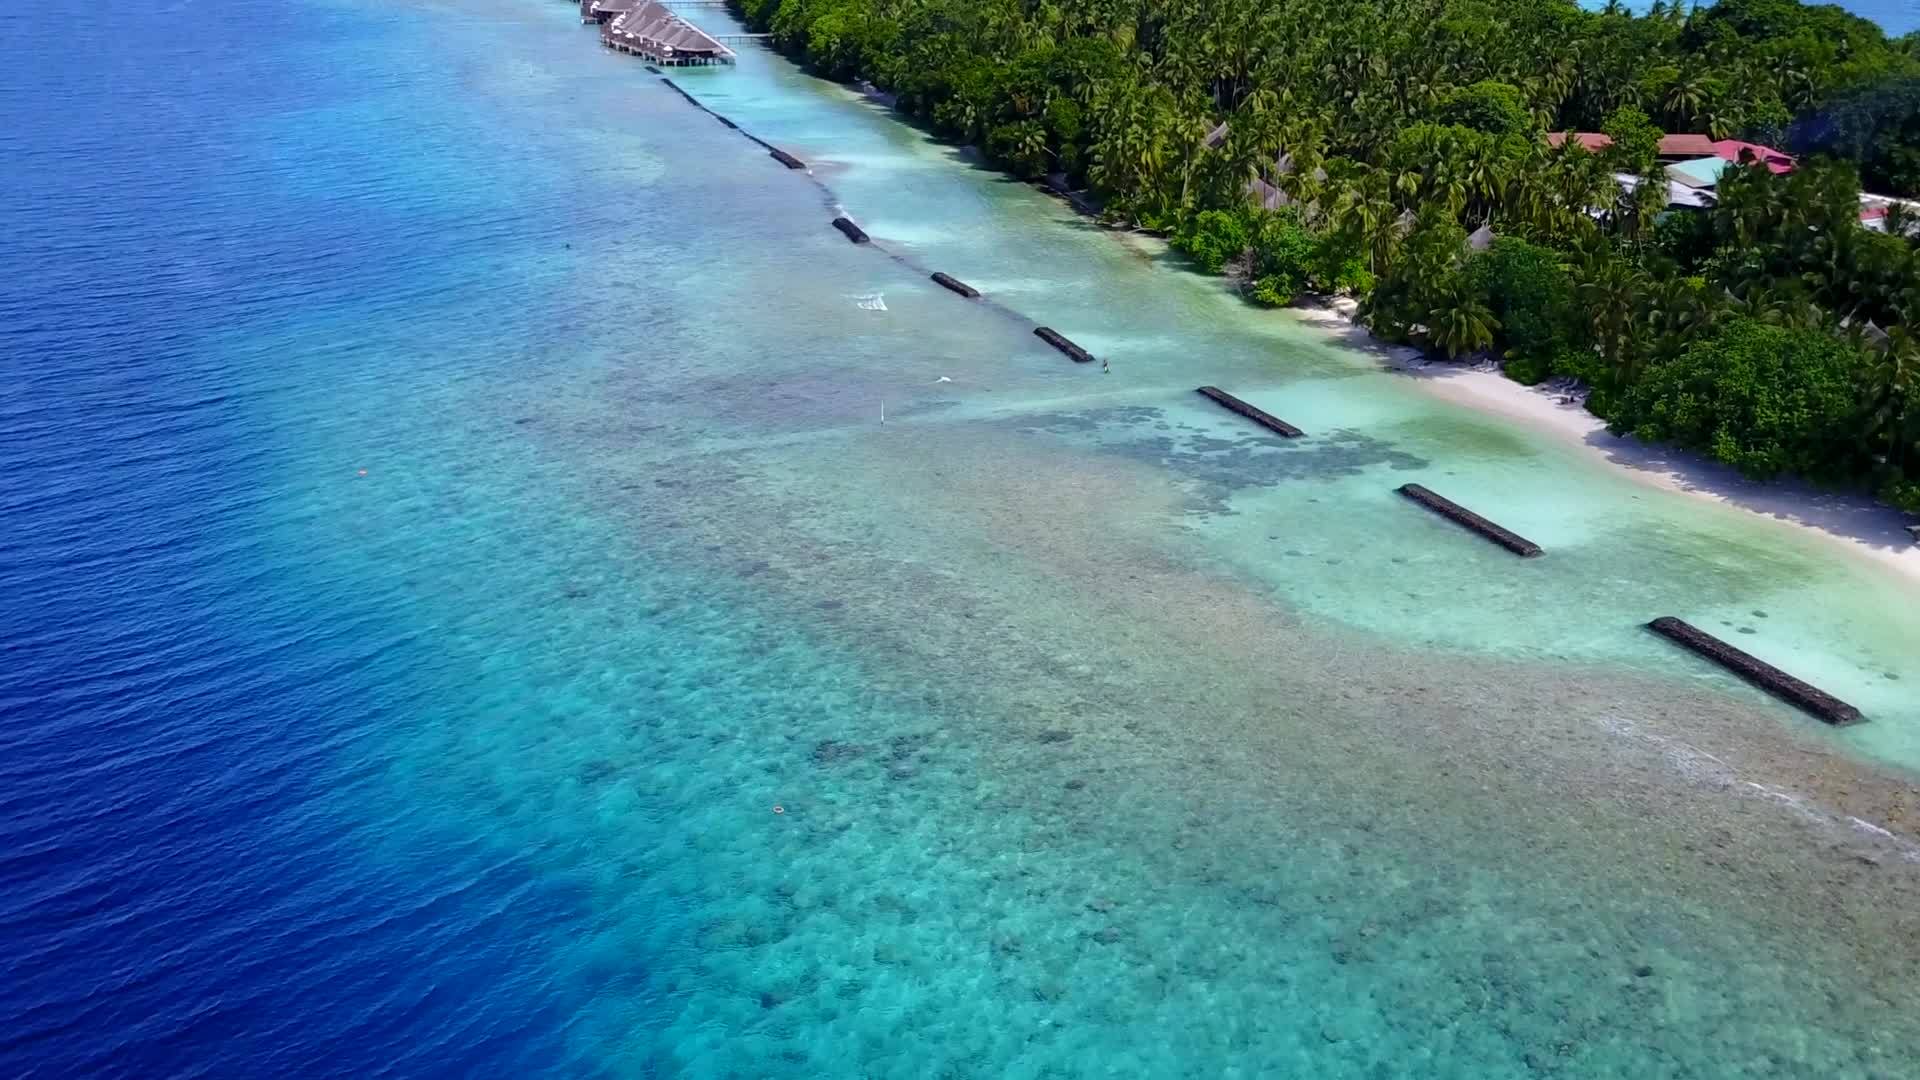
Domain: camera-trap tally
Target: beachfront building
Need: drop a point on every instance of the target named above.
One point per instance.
(648, 29)
(1679, 196)
(1684, 148)
(1698, 173)
(1878, 212)
(1693, 163)
(1777, 162)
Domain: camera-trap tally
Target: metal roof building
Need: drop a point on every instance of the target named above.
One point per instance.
(1699, 172)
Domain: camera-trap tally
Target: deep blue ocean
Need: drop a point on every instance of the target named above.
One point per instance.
(462, 614)
(193, 880)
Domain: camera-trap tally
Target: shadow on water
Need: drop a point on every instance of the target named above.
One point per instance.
(1850, 516)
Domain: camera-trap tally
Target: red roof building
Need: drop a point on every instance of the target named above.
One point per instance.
(1683, 146)
(1736, 151)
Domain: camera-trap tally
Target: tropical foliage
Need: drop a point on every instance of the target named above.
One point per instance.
(1764, 399)
(1391, 130)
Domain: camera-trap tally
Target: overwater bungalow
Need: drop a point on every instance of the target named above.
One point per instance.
(647, 29)
(605, 11)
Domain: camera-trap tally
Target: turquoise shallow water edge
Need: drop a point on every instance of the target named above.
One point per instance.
(1622, 552)
(1108, 738)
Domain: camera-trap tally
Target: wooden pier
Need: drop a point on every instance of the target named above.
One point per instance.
(650, 30)
(1757, 671)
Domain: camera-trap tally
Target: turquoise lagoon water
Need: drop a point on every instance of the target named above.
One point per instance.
(648, 707)
(1620, 550)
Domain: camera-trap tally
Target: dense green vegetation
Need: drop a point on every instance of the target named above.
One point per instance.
(1771, 331)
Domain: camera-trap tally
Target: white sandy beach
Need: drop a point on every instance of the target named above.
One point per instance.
(1852, 522)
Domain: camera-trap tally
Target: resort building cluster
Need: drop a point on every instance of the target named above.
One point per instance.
(648, 29)
(1694, 164)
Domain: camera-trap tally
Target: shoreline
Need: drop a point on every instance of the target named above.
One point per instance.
(1854, 523)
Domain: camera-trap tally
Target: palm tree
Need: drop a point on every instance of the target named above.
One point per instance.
(1305, 145)
(1031, 148)
(1611, 289)
(1382, 230)
(1362, 210)
(1796, 86)
(1902, 220)
(1638, 211)
(1188, 137)
(1750, 206)
(1893, 397)
(1673, 312)
(1484, 175)
(1459, 321)
(1720, 120)
(1685, 99)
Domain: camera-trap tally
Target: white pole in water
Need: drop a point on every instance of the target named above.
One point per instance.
(883, 410)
